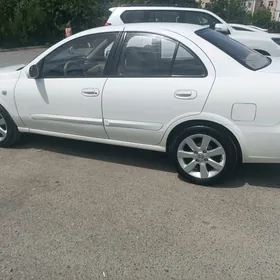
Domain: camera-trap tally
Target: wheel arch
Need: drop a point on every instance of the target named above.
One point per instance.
(12, 113)
(190, 123)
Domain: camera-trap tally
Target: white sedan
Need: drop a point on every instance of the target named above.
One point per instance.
(205, 99)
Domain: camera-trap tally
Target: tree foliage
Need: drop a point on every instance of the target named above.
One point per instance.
(233, 11)
(37, 21)
(262, 18)
(31, 22)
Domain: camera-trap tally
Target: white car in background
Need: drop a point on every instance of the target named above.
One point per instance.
(258, 28)
(135, 14)
(248, 28)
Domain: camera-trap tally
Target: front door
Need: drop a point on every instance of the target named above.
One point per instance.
(157, 81)
(66, 97)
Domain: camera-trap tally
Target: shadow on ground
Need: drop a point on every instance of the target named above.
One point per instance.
(259, 175)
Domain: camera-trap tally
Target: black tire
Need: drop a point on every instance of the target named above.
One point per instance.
(224, 140)
(12, 131)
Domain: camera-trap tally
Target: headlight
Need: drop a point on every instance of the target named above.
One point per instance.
(276, 40)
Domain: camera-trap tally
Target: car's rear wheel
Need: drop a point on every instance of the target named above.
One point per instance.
(9, 133)
(203, 155)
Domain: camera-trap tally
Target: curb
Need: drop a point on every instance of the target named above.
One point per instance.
(24, 48)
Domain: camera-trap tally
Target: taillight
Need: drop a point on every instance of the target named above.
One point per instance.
(107, 24)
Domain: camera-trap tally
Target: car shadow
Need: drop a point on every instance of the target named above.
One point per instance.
(257, 175)
(96, 151)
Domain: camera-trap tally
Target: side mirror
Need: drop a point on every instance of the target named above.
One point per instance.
(222, 28)
(34, 71)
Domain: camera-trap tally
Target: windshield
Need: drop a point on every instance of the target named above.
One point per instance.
(241, 53)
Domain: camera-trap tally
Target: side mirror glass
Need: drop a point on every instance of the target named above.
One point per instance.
(222, 28)
(34, 71)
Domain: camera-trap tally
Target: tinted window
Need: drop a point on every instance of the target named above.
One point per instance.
(187, 64)
(82, 57)
(198, 18)
(145, 54)
(167, 16)
(137, 16)
(241, 53)
(151, 55)
(180, 16)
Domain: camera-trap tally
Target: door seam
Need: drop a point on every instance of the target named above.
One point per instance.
(102, 108)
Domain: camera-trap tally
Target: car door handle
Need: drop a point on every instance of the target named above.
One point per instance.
(90, 92)
(185, 94)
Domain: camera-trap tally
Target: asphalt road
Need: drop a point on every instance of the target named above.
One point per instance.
(18, 57)
(75, 210)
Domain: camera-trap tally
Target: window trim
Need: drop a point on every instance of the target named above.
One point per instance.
(117, 57)
(107, 64)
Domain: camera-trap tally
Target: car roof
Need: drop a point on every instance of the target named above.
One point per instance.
(157, 8)
(172, 26)
(185, 29)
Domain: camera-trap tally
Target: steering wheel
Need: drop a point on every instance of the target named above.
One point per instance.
(67, 65)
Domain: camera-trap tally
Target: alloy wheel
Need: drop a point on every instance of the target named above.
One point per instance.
(3, 128)
(201, 156)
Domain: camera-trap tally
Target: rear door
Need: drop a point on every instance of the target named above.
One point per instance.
(156, 81)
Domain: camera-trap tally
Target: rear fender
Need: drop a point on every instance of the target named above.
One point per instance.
(208, 117)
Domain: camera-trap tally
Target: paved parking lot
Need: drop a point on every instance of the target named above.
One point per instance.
(18, 57)
(75, 210)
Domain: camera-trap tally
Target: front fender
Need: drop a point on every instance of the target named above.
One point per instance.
(8, 83)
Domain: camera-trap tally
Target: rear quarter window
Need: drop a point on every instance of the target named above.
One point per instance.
(241, 53)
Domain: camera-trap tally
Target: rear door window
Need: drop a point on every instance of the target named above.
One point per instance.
(152, 55)
(146, 55)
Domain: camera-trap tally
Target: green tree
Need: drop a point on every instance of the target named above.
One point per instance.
(229, 10)
(262, 18)
(25, 22)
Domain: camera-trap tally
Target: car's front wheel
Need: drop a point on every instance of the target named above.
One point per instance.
(203, 155)
(9, 133)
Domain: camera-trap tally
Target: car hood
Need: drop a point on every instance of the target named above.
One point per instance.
(273, 67)
(11, 68)
(10, 72)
